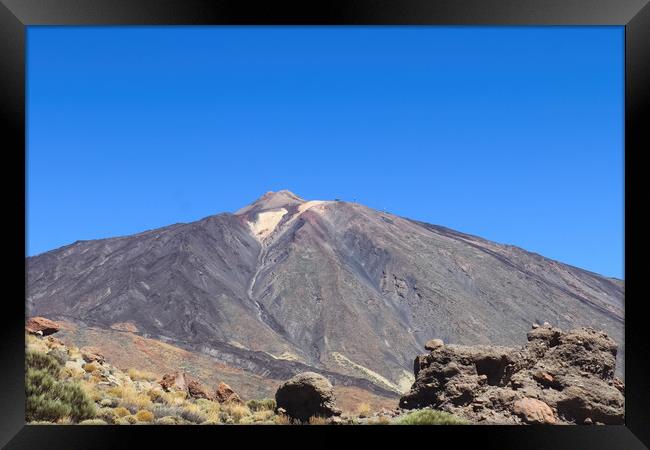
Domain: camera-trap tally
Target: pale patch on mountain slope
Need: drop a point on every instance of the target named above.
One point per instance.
(369, 374)
(310, 204)
(265, 222)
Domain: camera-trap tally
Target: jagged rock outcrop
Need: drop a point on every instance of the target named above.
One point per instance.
(557, 377)
(173, 382)
(41, 326)
(225, 394)
(307, 395)
(182, 381)
(92, 354)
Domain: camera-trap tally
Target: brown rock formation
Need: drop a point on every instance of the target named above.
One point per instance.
(225, 394)
(307, 395)
(41, 326)
(556, 378)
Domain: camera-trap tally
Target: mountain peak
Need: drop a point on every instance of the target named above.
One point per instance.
(272, 200)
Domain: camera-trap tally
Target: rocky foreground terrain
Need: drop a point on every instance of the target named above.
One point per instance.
(286, 285)
(557, 378)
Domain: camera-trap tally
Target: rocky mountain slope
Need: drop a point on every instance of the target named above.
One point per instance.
(285, 285)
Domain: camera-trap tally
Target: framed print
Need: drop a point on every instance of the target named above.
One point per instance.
(236, 220)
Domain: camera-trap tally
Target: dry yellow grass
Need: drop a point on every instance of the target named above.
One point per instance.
(121, 411)
(316, 420)
(90, 367)
(144, 416)
(156, 395)
(263, 416)
(193, 413)
(142, 375)
(237, 412)
(91, 389)
(174, 398)
(129, 396)
(363, 410)
(282, 419)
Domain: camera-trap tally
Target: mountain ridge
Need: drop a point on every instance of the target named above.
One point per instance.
(336, 285)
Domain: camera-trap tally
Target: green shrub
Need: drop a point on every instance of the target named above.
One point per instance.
(261, 405)
(59, 355)
(48, 398)
(106, 414)
(41, 361)
(169, 420)
(430, 417)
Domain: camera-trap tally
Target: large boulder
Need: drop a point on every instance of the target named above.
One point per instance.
(557, 377)
(173, 382)
(91, 354)
(306, 395)
(41, 326)
(184, 382)
(195, 389)
(225, 394)
(533, 411)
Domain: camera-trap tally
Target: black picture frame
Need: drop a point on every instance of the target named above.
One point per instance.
(15, 15)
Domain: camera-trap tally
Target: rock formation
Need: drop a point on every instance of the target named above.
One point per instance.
(225, 394)
(182, 381)
(307, 395)
(557, 377)
(41, 326)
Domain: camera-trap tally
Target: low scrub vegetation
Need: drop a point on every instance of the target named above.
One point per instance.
(430, 417)
(50, 399)
(64, 389)
(261, 405)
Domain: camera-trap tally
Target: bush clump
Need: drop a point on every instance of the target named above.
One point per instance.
(50, 399)
(261, 405)
(90, 367)
(144, 416)
(431, 417)
(93, 422)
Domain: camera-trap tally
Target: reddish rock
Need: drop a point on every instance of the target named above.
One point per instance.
(173, 381)
(225, 394)
(41, 326)
(195, 389)
(544, 378)
(534, 411)
(91, 354)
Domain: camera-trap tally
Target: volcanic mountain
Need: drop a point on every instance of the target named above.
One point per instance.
(284, 285)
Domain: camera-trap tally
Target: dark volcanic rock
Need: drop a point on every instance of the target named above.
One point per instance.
(557, 377)
(307, 395)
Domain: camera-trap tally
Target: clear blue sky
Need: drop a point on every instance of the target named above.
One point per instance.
(514, 134)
